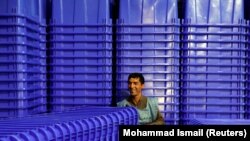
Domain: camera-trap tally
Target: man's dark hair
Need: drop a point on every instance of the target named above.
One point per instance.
(137, 75)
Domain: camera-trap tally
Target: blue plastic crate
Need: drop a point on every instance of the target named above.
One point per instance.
(61, 93)
(215, 59)
(214, 11)
(87, 84)
(22, 94)
(96, 11)
(28, 8)
(91, 127)
(207, 104)
(16, 38)
(213, 83)
(84, 53)
(80, 68)
(23, 48)
(63, 107)
(33, 44)
(230, 99)
(14, 113)
(216, 68)
(212, 91)
(80, 45)
(21, 20)
(86, 47)
(85, 60)
(146, 36)
(17, 59)
(199, 51)
(138, 60)
(21, 85)
(235, 41)
(186, 115)
(22, 103)
(12, 29)
(21, 58)
(204, 121)
(148, 44)
(160, 31)
(76, 43)
(42, 36)
(106, 128)
(7, 113)
(21, 67)
(81, 37)
(213, 76)
(127, 67)
(147, 52)
(94, 124)
(21, 76)
(80, 76)
(171, 116)
(149, 12)
(43, 7)
(153, 75)
(98, 30)
(43, 47)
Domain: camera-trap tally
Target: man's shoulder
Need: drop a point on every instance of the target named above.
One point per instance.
(152, 100)
(122, 103)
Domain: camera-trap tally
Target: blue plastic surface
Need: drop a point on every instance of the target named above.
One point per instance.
(21, 76)
(203, 121)
(80, 76)
(22, 58)
(80, 11)
(87, 61)
(86, 123)
(81, 45)
(19, 25)
(43, 8)
(69, 68)
(148, 11)
(7, 113)
(217, 11)
(21, 67)
(84, 30)
(22, 94)
(81, 84)
(81, 53)
(211, 114)
(28, 8)
(81, 38)
(32, 49)
(21, 104)
(69, 92)
(22, 85)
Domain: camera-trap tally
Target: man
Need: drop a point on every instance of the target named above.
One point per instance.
(147, 108)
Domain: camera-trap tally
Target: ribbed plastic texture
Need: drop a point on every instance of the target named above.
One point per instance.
(22, 58)
(80, 55)
(77, 124)
(202, 121)
(213, 60)
(148, 42)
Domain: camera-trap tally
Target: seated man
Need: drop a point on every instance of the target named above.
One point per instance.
(147, 108)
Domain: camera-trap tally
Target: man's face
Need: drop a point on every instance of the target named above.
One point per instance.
(135, 87)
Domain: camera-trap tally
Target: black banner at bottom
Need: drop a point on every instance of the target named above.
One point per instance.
(193, 132)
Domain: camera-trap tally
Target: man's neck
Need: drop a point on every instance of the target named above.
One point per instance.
(136, 99)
